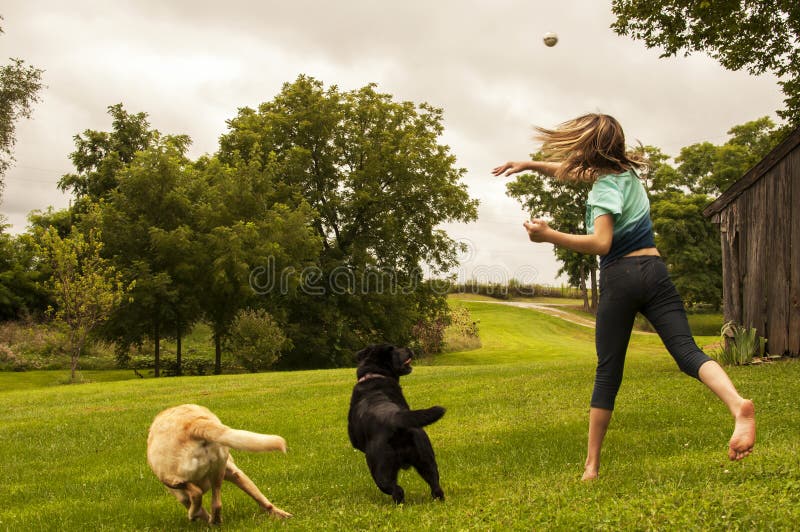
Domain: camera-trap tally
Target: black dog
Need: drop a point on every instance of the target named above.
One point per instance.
(382, 425)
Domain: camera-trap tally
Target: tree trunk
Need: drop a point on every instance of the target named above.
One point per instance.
(584, 292)
(76, 352)
(217, 353)
(157, 340)
(178, 357)
(74, 364)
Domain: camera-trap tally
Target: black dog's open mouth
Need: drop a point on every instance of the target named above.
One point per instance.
(407, 362)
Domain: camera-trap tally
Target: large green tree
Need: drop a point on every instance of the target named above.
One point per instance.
(189, 233)
(99, 156)
(379, 182)
(564, 203)
(690, 246)
(147, 222)
(19, 88)
(241, 229)
(706, 168)
(21, 277)
(759, 36)
(678, 194)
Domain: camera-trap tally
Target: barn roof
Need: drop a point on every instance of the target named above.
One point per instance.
(754, 174)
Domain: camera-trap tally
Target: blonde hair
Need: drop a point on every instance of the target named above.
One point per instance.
(587, 147)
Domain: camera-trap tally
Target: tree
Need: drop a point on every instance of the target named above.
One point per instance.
(688, 241)
(760, 36)
(100, 155)
(242, 229)
(147, 222)
(188, 232)
(690, 245)
(379, 183)
(658, 175)
(256, 340)
(709, 169)
(564, 202)
(86, 287)
(19, 88)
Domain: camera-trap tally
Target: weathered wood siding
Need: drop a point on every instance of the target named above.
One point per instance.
(760, 236)
(793, 169)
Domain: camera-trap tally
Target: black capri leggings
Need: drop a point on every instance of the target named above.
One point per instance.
(627, 286)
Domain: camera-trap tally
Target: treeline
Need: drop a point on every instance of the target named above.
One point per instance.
(678, 194)
(308, 227)
(515, 289)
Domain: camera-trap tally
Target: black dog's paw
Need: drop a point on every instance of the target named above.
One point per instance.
(398, 495)
(438, 494)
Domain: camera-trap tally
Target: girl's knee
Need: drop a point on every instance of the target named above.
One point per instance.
(690, 363)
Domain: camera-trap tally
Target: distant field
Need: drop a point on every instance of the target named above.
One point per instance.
(510, 448)
(541, 300)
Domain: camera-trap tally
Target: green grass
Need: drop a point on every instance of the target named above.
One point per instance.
(510, 449)
(701, 323)
(30, 380)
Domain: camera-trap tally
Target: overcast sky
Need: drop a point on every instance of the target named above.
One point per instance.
(191, 64)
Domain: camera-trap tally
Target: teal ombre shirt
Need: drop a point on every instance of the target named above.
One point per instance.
(623, 196)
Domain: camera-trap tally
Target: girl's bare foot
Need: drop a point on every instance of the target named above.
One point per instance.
(744, 432)
(590, 471)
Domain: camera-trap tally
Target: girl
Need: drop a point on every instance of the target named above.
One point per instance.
(633, 278)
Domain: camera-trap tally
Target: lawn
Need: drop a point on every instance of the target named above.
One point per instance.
(510, 448)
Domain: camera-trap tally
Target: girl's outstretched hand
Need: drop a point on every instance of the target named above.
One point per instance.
(537, 230)
(511, 167)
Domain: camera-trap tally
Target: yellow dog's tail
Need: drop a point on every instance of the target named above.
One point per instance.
(242, 440)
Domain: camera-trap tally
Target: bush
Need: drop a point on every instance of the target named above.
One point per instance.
(31, 346)
(462, 333)
(429, 335)
(190, 365)
(256, 340)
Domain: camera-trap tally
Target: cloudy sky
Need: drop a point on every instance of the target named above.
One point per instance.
(191, 64)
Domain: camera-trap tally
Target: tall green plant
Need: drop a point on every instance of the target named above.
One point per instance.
(256, 340)
(86, 287)
(739, 344)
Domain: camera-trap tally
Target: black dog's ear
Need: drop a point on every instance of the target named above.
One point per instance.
(364, 353)
(373, 349)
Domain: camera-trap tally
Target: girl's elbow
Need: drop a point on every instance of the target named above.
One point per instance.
(603, 248)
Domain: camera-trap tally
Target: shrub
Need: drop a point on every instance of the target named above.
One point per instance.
(256, 340)
(462, 333)
(429, 335)
(31, 346)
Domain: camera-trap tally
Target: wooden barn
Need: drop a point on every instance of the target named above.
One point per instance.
(759, 223)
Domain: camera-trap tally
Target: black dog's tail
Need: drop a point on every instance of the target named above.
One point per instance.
(417, 418)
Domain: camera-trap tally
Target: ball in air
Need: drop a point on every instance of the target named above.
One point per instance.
(550, 39)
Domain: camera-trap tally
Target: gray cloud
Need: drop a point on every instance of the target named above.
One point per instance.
(191, 64)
